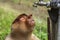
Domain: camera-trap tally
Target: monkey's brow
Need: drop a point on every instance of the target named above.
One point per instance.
(23, 15)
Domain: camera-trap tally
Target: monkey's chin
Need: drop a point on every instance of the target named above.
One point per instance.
(26, 31)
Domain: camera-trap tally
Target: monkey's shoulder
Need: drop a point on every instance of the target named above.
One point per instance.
(35, 37)
(8, 37)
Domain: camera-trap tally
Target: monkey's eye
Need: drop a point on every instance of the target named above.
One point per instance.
(28, 17)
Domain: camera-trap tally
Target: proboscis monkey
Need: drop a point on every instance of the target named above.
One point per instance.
(22, 28)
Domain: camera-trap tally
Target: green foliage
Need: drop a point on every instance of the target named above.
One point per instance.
(15, 1)
(6, 19)
(41, 29)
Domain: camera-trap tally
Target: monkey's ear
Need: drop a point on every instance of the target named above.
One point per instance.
(22, 19)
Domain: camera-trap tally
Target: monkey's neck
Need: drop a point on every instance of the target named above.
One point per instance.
(21, 36)
(21, 32)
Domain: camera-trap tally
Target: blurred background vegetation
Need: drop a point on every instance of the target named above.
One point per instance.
(10, 9)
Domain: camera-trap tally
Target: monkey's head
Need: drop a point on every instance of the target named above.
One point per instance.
(25, 22)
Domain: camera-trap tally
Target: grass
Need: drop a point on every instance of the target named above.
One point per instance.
(41, 29)
(5, 22)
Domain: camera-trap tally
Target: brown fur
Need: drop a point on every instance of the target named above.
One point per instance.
(22, 28)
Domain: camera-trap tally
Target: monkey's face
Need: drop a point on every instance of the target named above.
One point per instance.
(30, 21)
(24, 23)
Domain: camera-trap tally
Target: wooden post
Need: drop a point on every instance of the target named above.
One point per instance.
(49, 28)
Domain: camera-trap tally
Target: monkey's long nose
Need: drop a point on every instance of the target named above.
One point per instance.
(32, 23)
